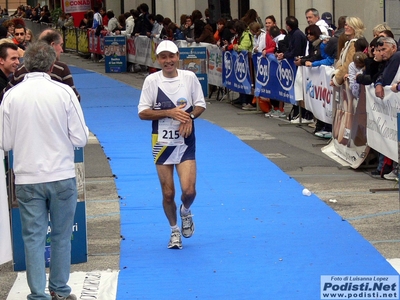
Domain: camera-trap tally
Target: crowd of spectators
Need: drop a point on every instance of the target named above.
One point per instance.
(343, 47)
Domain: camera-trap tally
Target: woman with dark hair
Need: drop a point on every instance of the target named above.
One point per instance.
(164, 31)
(189, 29)
(317, 57)
(182, 21)
(312, 33)
(112, 22)
(196, 15)
(250, 16)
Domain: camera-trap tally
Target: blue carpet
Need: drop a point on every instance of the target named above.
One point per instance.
(251, 241)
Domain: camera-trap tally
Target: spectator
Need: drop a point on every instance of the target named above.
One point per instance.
(332, 45)
(243, 42)
(297, 41)
(97, 18)
(130, 22)
(29, 37)
(144, 22)
(174, 33)
(112, 22)
(278, 37)
(327, 17)
(315, 58)
(209, 21)
(84, 21)
(44, 15)
(69, 21)
(60, 71)
(9, 25)
(156, 21)
(218, 33)
(203, 32)
(104, 17)
(28, 12)
(312, 16)
(373, 64)
(387, 47)
(356, 67)
(386, 33)
(55, 189)
(379, 28)
(9, 61)
(122, 21)
(189, 29)
(258, 37)
(196, 15)
(250, 17)
(182, 22)
(35, 16)
(19, 36)
(296, 46)
(353, 29)
(90, 19)
(164, 32)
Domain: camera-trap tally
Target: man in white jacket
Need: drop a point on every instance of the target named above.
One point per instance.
(312, 16)
(42, 129)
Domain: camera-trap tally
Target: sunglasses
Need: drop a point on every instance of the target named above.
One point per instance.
(18, 33)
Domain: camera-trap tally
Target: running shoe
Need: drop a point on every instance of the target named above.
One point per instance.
(187, 224)
(175, 242)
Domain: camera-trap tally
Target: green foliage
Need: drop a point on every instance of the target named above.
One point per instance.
(55, 14)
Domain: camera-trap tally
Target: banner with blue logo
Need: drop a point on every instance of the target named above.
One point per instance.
(236, 72)
(79, 230)
(274, 78)
(194, 59)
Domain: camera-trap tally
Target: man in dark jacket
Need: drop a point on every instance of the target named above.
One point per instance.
(297, 40)
(9, 61)
(387, 47)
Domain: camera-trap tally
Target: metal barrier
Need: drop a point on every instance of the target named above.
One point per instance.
(76, 40)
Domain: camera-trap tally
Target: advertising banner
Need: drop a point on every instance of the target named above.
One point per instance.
(5, 232)
(115, 54)
(318, 94)
(215, 66)
(382, 121)
(349, 131)
(195, 59)
(236, 71)
(79, 230)
(73, 6)
(274, 78)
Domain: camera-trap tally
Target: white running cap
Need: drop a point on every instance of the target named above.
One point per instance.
(167, 46)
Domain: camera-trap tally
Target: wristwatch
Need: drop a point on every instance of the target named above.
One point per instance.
(192, 116)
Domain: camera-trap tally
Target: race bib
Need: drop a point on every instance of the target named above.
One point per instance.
(168, 132)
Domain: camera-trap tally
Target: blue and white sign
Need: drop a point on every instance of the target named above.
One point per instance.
(236, 72)
(274, 78)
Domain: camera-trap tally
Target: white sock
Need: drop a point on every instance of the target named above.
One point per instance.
(175, 228)
(185, 211)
